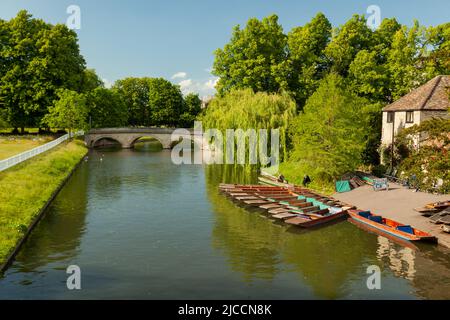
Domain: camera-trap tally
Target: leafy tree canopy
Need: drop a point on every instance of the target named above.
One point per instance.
(37, 59)
(107, 108)
(69, 111)
(329, 135)
(250, 58)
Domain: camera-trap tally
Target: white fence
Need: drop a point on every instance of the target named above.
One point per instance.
(21, 157)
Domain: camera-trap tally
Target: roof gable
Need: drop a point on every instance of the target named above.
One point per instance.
(433, 95)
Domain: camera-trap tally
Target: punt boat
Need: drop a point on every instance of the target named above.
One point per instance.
(385, 226)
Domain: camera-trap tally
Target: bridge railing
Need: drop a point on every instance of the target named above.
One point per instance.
(21, 157)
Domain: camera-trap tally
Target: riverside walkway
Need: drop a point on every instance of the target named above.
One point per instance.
(398, 204)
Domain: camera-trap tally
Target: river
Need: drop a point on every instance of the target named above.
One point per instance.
(140, 227)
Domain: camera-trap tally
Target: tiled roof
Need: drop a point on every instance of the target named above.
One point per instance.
(433, 95)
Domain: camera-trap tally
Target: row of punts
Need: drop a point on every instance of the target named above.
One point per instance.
(304, 208)
(295, 206)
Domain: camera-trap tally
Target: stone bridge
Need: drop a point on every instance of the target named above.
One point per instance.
(128, 136)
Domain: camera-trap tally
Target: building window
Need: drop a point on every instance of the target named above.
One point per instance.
(390, 117)
(409, 116)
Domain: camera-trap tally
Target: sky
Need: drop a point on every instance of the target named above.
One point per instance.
(176, 39)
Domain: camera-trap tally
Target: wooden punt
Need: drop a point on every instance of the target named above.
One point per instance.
(314, 221)
(278, 210)
(390, 227)
(284, 215)
(256, 201)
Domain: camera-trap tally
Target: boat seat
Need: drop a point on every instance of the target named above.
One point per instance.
(407, 229)
(365, 214)
(378, 219)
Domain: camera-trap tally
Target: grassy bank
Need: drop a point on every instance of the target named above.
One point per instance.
(294, 174)
(12, 145)
(26, 188)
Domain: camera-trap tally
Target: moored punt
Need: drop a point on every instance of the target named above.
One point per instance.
(390, 227)
(313, 221)
(256, 203)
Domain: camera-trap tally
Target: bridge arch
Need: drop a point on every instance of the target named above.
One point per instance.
(112, 141)
(137, 138)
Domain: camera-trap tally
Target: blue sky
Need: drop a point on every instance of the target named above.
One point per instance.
(163, 38)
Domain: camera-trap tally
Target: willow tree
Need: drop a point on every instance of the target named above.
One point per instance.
(245, 109)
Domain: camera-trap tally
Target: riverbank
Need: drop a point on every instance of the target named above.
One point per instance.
(294, 174)
(398, 204)
(26, 189)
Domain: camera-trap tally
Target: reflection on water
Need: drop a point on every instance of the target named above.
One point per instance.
(141, 227)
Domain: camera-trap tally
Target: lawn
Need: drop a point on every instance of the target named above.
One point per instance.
(12, 145)
(25, 189)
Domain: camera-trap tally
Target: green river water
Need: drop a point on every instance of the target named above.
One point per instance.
(140, 227)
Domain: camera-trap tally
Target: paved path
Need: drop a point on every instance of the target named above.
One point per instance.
(398, 204)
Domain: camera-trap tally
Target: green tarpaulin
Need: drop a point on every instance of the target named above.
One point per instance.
(343, 186)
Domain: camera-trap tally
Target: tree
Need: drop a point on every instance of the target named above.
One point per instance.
(135, 94)
(245, 109)
(90, 81)
(406, 65)
(165, 102)
(439, 39)
(329, 135)
(106, 108)
(307, 63)
(69, 111)
(368, 78)
(430, 162)
(191, 109)
(347, 41)
(37, 59)
(250, 59)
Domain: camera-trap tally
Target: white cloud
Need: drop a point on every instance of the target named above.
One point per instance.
(203, 88)
(108, 84)
(179, 75)
(211, 83)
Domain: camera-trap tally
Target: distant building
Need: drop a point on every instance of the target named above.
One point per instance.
(430, 100)
(206, 100)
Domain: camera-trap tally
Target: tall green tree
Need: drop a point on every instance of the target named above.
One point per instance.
(407, 68)
(307, 62)
(135, 93)
(439, 39)
(165, 102)
(37, 59)
(68, 112)
(191, 109)
(251, 57)
(90, 81)
(347, 41)
(329, 135)
(107, 108)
